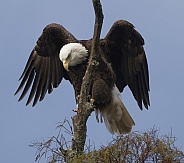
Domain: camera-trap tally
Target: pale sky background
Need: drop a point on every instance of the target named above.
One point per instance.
(161, 23)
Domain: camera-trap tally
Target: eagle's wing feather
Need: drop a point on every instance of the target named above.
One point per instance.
(124, 46)
(44, 70)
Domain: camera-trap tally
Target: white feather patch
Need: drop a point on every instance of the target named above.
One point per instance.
(76, 53)
(116, 117)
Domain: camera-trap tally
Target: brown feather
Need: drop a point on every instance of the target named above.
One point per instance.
(122, 63)
(126, 53)
(44, 67)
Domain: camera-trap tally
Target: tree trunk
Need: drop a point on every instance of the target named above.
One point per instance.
(84, 107)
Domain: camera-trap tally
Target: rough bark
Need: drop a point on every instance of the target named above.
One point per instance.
(84, 107)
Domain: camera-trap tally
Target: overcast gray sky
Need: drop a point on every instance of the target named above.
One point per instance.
(161, 23)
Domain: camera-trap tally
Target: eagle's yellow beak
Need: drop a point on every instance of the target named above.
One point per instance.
(66, 65)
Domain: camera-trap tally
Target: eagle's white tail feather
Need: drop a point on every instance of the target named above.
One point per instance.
(116, 117)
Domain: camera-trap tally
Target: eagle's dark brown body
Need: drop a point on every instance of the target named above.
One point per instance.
(123, 62)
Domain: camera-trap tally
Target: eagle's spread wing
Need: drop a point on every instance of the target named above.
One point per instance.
(44, 70)
(124, 46)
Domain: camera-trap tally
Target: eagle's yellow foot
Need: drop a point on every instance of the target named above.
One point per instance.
(77, 97)
(92, 101)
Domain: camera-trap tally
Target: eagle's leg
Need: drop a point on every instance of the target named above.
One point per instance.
(78, 97)
(101, 93)
(91, 101)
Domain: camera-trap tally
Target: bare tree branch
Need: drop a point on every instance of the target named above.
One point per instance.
(84, 107)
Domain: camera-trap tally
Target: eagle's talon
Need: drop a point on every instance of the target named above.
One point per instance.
(77, 97)
(74, 110)
(92, 101)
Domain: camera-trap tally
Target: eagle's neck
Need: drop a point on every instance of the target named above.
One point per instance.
(73, 53)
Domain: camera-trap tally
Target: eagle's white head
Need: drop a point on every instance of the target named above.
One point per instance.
(72, 54)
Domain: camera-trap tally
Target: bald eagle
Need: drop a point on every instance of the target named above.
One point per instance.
(58, 54)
